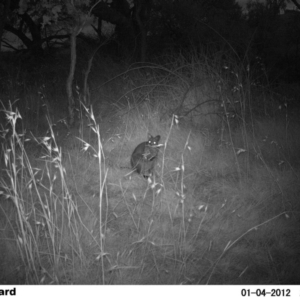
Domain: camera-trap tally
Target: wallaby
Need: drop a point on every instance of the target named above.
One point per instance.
(144, 156)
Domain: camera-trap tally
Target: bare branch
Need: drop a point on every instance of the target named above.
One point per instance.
(6, 44)
(296, 3)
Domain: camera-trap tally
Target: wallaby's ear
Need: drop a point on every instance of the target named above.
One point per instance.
(157, 138)
(149, 136)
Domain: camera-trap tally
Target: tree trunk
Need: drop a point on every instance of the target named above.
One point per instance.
(35, 31)
(142, 36)
(4, 8)
(141, 13)
(71, 106)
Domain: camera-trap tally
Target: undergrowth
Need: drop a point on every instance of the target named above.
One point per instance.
(221, 208)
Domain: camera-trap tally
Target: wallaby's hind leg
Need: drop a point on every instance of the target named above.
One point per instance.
(138, 167)
(137, 164)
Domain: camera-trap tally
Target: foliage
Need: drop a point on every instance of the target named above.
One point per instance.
(41, 24)
(182, 24)
(275, 37)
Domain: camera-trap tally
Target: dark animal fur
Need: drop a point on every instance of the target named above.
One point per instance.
(144, 156)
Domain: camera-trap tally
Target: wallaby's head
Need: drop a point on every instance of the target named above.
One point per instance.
(153, 141)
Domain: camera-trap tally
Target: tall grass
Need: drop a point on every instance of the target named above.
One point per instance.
(222, 207)
(48, 227)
